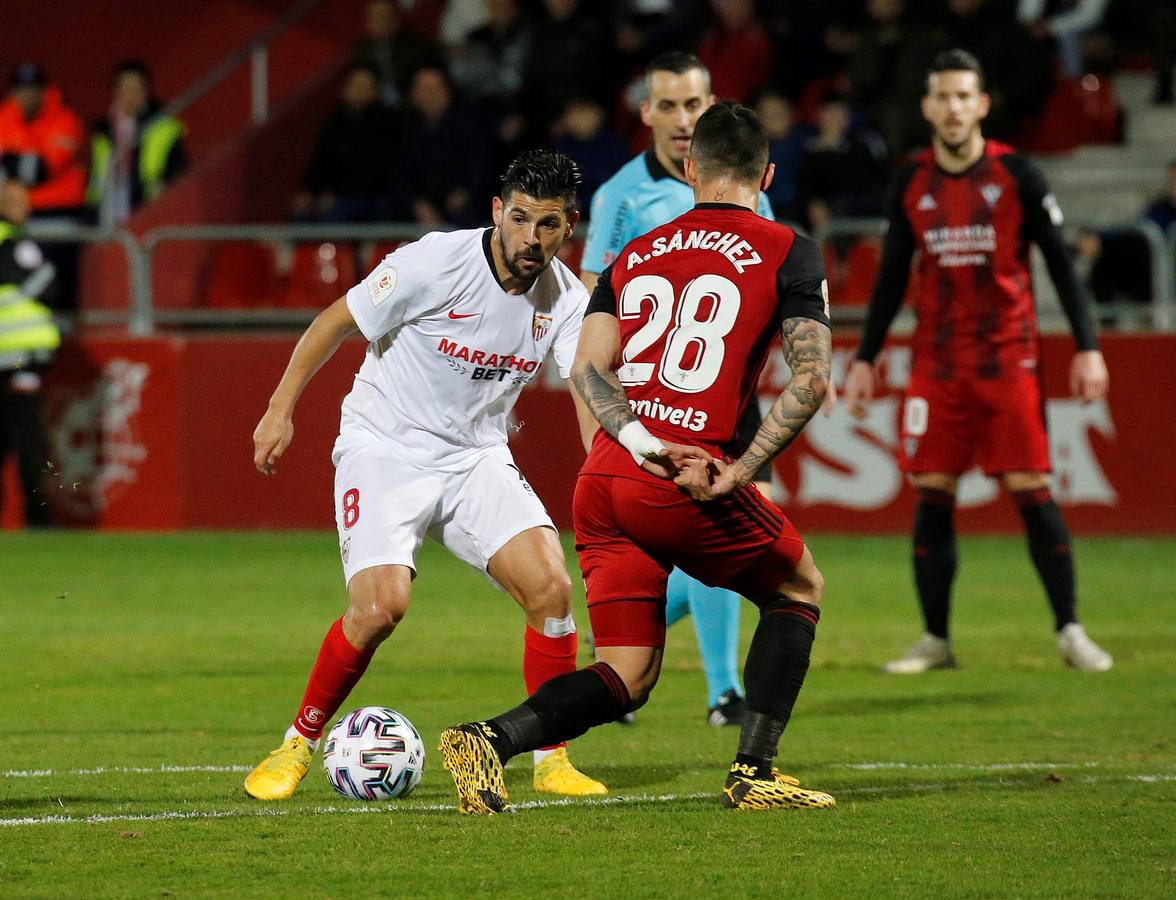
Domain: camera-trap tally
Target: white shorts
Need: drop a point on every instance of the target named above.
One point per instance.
(385, 507)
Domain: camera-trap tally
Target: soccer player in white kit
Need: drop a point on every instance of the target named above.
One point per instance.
(458, 325)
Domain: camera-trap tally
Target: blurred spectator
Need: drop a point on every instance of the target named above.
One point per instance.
(644, 28)
(813, 40)
(1162, 42)
(348, 179)
(28, 339)
(490, 68)
(1149, 27)
(736, 49)
(1119, 260)
(1018, 69)
(462, 18)
(1067, 22)
(583, 135)
(843, 170)
(887, 72)
(569, 57)
(445, 155)
(135, 151)
(787, 140)
(1162, 211)
(491, 65)
(390, 49)
(41, 142)
(41, 147)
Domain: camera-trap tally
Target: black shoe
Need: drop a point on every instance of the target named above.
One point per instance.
(728, 711)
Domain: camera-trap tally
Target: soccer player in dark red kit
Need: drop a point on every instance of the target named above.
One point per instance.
(671, 349)
(968, 209)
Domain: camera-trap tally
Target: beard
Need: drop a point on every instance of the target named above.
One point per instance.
(955, 147)
(512, 263)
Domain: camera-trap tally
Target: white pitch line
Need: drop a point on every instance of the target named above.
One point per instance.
(407, 808)
(357, 809)
(104, 770)
(862, 766)
(965, 767)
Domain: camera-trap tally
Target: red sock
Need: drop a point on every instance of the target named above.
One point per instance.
(545, 657)
(336, 671)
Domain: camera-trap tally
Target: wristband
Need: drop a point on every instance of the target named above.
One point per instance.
(635, 438)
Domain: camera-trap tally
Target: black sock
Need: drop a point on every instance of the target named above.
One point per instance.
(1049, 546)
(935, 557)
(774, 673)
(562, 709)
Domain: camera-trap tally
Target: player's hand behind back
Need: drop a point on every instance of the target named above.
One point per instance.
(271, 437)
(711, 481)
(676, 458)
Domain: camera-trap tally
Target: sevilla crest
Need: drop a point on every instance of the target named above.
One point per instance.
(540, 325)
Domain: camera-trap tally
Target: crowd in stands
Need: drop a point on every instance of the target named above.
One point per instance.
(464, 86)
(1118, 260)
(133, 152)
(437, 96)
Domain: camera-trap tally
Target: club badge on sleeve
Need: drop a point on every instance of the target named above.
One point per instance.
(380, 284)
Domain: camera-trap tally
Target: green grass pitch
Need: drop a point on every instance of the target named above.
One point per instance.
(143, 675)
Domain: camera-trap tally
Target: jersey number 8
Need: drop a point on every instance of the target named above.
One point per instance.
(703, 336)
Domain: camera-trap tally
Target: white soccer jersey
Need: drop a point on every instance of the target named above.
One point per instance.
(451, 350)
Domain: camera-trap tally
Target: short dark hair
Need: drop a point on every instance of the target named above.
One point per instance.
(27, 74)
(729, 139)
(956, 60)
(131, 67)
(543, 174)
(679, 63)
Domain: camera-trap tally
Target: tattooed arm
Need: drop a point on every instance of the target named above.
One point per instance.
(594, 372)
(595, 379)
(807, 350)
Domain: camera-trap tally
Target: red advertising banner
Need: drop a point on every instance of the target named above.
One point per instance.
(1109, 457)
(157, 434)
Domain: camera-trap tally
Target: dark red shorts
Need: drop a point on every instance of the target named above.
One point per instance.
(630, 534)
(949, 426)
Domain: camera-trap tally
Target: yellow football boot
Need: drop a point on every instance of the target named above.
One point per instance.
(742, 791)
(476, 770)
(555, 774)
(276, 776)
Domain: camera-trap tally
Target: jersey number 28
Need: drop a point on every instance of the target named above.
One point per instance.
(690, 336)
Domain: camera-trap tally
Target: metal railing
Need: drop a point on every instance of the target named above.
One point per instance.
(142, 314)
(1167, 319)
(146, 315)
(138, 273)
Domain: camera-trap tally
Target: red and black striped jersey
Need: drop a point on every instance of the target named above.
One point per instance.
(969, 234)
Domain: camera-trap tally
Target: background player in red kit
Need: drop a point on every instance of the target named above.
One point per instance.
(672, 346)
(971, 208)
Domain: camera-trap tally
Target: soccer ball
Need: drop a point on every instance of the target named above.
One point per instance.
(374, 753)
